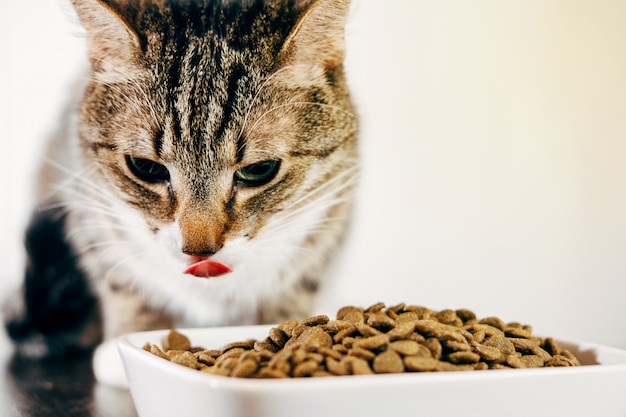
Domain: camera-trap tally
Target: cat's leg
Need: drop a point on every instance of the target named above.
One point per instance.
(124, 311)
(55, 311)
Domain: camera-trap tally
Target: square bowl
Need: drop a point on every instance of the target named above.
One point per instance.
(163, 389)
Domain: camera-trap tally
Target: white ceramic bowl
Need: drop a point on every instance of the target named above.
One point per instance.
(163, 389)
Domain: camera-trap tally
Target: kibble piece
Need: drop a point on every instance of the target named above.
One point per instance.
(214, 370)
(454, 346)
(420, 363)
(515, 361)
(245, 345)
(388, 362)
(245, 369)
(358, 366)
(305, 368)
(372, 343)
(502, 343)
(401, 331)
(422, 312)
(340, 348)
(427, 328)
(375, 308)
(488, 353)
(487, 329)
(154, 349)
(226, 363)
(481, 366)
(448, 317)
(559, 360)
(464, 357)
(532, 361)
(272, 373)
(315, 337)
(434, 345)
(367, 330)
(315, 321)
(416, 337)
(298, 356)
(571, 357)
(348, 342)
(479, 336)
(335, 326)
(381, 321)
(187, 359)
(336, 367)
(342, 334)
(493, 322)
(351, 314)
(362, 353)
(407, 347)
(232, 353)
(408, 316)
(175, 341)
(205, 359)
(525, 346)
(266, 345)
(550, 346)
(278, 337)
(520, 332)
(465, 315)
(443, 366)
(287, 326)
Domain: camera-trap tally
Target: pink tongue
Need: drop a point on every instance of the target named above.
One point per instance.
(207, 269)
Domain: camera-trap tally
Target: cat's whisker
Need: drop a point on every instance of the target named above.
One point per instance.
(88, 205)
(319, 203)
(86, 229)
(326, 190)
(84, 203)
(326, 198)
(66, 184)
(88, 226)
(258, 92)
(322, 226)
(122, 261)
(77, 177)
(111, 244)
(349, 176)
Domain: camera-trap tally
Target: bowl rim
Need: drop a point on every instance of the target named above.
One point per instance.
(131, 349)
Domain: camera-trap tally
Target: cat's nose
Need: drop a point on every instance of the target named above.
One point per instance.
(199, 249)
(201, 234)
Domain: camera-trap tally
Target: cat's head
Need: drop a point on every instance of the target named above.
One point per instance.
(222, 123)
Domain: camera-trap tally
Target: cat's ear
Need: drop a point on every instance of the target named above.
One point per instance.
(318, 36)
(113, 46)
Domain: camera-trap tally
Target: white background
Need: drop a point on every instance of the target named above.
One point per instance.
(494, 154)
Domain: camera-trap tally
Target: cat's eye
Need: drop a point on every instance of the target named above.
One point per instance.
(147, 170)
(258, 174)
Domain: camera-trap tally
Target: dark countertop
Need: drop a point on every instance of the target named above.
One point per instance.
(56, 388)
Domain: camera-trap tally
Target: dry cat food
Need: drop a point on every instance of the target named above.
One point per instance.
(375, 340)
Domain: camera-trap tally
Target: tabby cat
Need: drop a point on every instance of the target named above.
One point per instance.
(205, 177)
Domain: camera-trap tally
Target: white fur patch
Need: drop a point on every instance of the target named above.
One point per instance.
(107, 365)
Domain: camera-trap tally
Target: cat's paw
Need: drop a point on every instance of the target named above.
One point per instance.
(107, 365)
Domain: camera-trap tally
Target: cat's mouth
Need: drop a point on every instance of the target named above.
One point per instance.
(207, 268)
